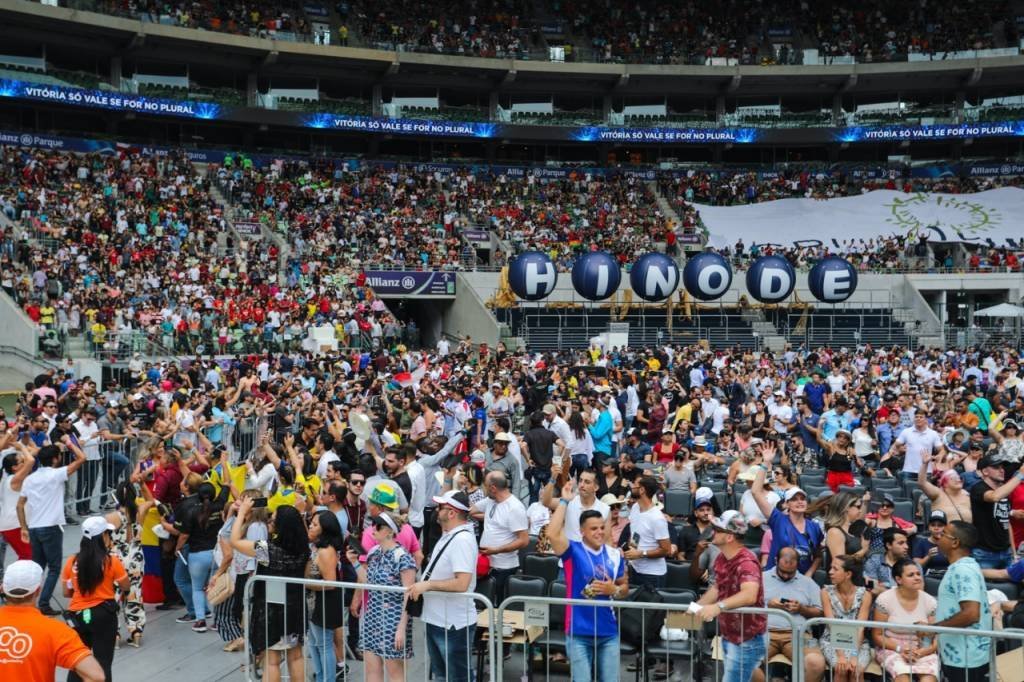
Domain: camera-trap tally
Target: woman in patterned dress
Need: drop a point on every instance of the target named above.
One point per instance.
(385, 632)
(844, 600)
(127, 539)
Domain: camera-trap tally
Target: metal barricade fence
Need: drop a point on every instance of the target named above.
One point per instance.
(242, 439)
(268, 621)
(1008, 665)
(109, 463)
(540, 629)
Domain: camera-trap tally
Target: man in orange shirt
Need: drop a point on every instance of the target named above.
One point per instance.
(32, 646)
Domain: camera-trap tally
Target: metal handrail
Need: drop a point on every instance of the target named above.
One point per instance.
(1009, 633)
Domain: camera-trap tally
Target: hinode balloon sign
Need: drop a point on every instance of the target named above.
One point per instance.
(654, 277)
(532, 276)
(707, 276)
(596, 275)
(771, 279)
(832, 280)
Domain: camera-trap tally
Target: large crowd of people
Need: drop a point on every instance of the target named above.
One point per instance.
(134, 252)
(871, 483)
(651, 32)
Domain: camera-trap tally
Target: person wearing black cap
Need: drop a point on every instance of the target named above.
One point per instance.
(990, 508)
(926, 547)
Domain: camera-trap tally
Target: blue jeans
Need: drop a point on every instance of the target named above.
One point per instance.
(449, 652)
(183, 581)
(48, 552)
(199, 566)
(587, 653)
(989, 559)
(115, 467)
(538, 479)
(741, 660)
(321, 649)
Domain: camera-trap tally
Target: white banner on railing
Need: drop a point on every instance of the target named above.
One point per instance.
(990, 215)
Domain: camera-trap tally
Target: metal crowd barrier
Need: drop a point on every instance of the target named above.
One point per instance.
(1007, 666)
(540, 628)
(274, 616)
(89, 488)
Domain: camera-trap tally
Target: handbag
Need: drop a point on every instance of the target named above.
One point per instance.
(221, 589)
(414, 607)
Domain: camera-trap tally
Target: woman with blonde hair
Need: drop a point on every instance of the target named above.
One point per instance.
(385, 632)
(843, 511)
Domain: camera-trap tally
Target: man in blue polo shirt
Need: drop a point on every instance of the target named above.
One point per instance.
(596, 571)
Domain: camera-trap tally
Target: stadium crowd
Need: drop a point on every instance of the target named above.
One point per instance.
(127, 262)
(240, 17)
(133, 251)
(652, 32)
(879, 483)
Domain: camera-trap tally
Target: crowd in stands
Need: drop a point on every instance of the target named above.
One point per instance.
(242, 17)
(132, 249)
(485, 28)
(876, 483)
(649, 32)
(881, 31)
(560, 217)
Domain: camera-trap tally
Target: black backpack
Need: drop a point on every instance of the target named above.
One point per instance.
(641, 627)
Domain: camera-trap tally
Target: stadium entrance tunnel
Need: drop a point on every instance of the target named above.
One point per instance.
(427, 313)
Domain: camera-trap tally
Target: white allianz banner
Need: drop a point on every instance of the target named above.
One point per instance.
(994, 217)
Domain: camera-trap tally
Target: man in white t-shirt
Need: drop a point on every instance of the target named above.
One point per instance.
(448, 614)
(649, 541)
(506, 530)
(921, 442)
(89, 439)
(41, 512)
(584, 500)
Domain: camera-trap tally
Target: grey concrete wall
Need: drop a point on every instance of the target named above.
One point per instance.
(468, 316)
(16, 329)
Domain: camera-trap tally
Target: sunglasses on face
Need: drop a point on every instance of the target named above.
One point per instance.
(357, 482)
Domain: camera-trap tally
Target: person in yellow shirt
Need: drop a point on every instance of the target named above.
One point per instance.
(99, 333)
(47, 315)
(653, 364)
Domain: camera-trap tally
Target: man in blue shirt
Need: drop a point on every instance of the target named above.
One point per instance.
(963, 603)
(816, 393)
(889, 432)
(835, 419)
(595, 571)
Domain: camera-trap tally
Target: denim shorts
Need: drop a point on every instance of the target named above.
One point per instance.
(741, 660)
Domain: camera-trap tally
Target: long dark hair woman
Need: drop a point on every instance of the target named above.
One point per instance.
(274, 628)
(324, 605)
(90, 578)
(198, 521)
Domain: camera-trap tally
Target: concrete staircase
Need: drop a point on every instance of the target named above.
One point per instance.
(765, 330)
(268, 236)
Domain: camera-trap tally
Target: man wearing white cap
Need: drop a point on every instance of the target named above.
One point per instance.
(450, 615)
(738, 584)
(34, 646)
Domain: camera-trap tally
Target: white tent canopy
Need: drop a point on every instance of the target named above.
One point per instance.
(1001, 310)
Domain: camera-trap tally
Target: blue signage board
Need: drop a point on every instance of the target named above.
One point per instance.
(394, 283)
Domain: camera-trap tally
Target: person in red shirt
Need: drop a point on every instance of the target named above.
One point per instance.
(738, 584)
(34, 646)
(665, 450)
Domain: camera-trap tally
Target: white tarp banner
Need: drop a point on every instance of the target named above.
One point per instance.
(994, 216)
